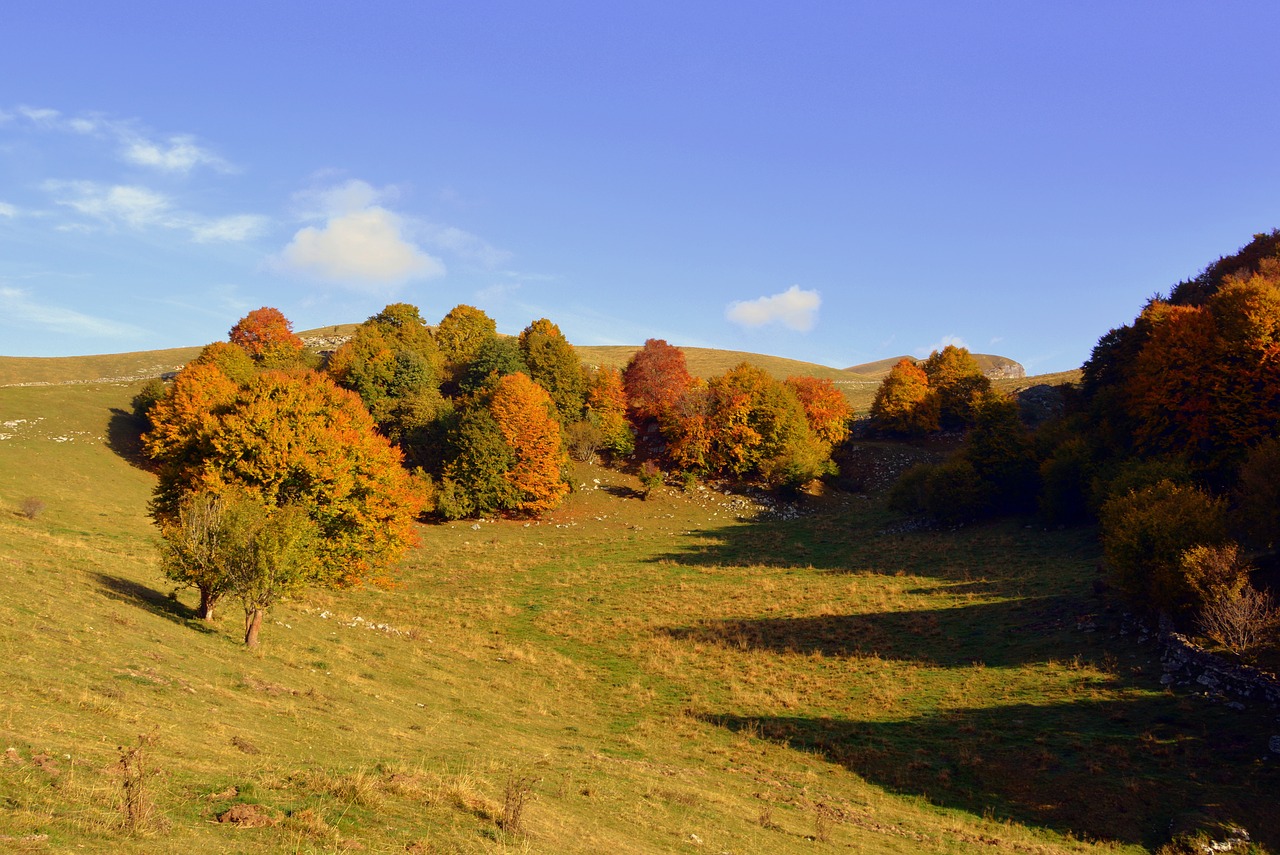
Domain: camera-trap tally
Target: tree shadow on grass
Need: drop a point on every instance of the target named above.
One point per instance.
(156, 602)
(859, 538)
(1121, 770)
(124, 437)
(1007, 633)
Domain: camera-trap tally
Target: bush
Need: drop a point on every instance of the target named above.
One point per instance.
(1145, 534)
(949, 492)
(1241, 619)
(31, 507)
(650, 477)
(584, 439)
(146, 398)
(1064, 482)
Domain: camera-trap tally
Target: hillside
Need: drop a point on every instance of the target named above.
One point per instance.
(699, 672)
(995, 367)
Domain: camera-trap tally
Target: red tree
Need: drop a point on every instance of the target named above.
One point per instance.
(267, 335)
(655, 379)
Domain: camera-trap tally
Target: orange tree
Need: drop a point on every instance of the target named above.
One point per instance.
(825, 407)
(295, 438)
(267, 336)
(607, 410)
(525, 416)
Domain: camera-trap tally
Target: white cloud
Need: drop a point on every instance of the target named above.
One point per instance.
(19, 309)
(364, 248)
(7, 210)
(135, 206)
(40, 116)
(950, 338)
(793, 308)
(180, 154)
(230, 229)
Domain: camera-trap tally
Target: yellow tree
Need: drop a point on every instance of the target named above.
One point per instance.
(904, 403)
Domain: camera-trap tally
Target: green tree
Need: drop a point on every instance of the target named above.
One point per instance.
(554, 365)
(496, 358)
(275, 550)
(460, 335)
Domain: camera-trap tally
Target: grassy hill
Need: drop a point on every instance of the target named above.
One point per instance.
(879, 369)
(699, 672)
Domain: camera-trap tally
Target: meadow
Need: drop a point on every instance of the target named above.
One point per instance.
(701, 672)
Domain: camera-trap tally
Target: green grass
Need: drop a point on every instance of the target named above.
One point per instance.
(674, 675)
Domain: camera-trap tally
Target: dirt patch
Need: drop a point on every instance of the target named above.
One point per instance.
(245, 745)
(249, 816)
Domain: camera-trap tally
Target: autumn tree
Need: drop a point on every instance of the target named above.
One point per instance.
(956, 378)
(825, 406)
(460, 334)
(393, 364)
(904, 403)
(267, 336)
(233, 361)
(554, 365)
(655, 379)
(296, 438)
(606, 406)
(526, 417)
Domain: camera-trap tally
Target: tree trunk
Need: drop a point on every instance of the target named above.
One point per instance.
(252, 623)
(208, 599)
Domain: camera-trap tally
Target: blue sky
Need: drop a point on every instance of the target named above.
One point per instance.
(831, 181)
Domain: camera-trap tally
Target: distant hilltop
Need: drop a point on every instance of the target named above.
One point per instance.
(995, 367)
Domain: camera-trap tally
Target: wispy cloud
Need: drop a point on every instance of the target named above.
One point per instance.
(466, 246)
(949, 339)
(7, 210)
(18, 308)
(360, 244)
(176, 153)
(794, 309)
(139, 207)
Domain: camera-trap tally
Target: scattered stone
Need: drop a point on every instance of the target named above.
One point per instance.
(1274, 745)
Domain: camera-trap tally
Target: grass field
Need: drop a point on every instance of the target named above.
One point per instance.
(698, 672)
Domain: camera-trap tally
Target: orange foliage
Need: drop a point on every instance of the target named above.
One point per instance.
(826, 408)
(526, 418)
(186, 413)
(267, 336)
(298, 438)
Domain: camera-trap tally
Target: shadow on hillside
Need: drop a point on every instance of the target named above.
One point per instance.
(124, 437)
(150, 599)
(1000, 634)
(857, 537)
(620, 491)
(1115, 770)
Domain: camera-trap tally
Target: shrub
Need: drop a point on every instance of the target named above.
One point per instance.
(31, 507)
(1241, 619)
(151, 392)
(1145, 534)
(650, 477)
(584, 439)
